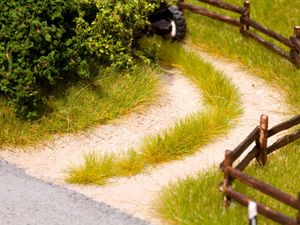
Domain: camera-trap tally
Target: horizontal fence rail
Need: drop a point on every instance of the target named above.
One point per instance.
(224, 5)
(245, 23)
(264, 188)
(259, 136)
(267, 44)
(211, 14)
(284, 126)
(263, 210)
(266, 31)
(283, 141)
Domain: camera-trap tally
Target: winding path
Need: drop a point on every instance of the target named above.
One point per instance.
(179, 98)
(136, 194)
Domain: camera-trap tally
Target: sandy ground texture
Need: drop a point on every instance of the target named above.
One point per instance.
(136, 194)
(179, 98)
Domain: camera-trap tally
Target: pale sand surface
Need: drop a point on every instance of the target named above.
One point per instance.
(179, 99)
(136, 194)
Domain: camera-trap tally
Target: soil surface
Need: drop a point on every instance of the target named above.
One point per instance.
(180, 98)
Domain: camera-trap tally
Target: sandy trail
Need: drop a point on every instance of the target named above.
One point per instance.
(136, 194)
(180, 98)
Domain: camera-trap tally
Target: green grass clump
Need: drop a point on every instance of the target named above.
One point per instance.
(226, 40)
(95, 174)
(97, 169)
(80, 105)
(197, 200)
(222, 110)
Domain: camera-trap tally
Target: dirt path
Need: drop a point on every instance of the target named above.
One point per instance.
(136, 194)
(180, 97)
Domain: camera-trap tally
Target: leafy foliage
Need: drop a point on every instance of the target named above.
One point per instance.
(107, 29)
(38, 47)
(43, 42)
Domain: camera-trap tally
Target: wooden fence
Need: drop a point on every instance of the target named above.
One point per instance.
(245, 22)
(260, 151)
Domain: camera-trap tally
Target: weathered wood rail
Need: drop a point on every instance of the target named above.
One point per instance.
(245, 23)
(260, 151)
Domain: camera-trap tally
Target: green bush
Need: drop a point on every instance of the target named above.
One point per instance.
(38, 47)
(107, 29)
(43, 42)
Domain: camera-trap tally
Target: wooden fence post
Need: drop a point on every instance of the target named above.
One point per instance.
(263, 139)
(297, 32)
(298, 216)
(227, 179)
(295, 39)
(246, 14)
(179, 1)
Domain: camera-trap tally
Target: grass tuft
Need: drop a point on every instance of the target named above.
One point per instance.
(226, 40)
(222, 108)
(96, 169)
(129, 164)
(197, 200)
(78, 106)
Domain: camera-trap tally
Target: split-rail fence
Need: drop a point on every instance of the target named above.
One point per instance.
(245, 23)
(260, 151)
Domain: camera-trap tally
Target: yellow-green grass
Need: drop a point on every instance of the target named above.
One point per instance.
(75, 107)
(197, 200)
(222, 108)
(225, 40)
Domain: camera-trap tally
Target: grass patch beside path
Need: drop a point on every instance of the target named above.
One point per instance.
(222, 109)
(197, 200)
(225, 40)
(84, 104)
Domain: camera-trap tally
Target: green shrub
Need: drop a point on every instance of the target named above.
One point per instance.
(43, 42)
(38, 47)
(107, 29)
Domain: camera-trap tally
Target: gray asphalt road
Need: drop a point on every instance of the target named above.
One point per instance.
(27, 201)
